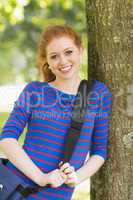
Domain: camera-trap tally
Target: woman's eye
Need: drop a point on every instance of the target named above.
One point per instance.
(69, 52)
(53, 57)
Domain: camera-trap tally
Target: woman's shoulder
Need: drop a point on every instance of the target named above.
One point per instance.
(100, 87)
(34, 86)
(100, 96)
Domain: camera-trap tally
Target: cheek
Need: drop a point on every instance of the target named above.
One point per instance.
(79, 58)
(52, 64)
(76, 56)
(76, 60)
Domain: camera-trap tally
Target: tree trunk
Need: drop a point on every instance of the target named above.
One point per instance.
(110, 61)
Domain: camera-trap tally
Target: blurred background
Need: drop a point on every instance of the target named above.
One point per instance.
(21, 23)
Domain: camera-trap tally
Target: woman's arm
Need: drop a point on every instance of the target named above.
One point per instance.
(98, 151)
(89, 168)
(86, 171)
(18, 118)
(12, 130)
(21, 160)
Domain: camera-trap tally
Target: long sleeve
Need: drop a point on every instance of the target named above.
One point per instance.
(19, 116)
(99, 143)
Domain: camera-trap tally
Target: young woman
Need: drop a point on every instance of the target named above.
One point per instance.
(46, 107)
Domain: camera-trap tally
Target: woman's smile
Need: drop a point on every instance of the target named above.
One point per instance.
(66, 69)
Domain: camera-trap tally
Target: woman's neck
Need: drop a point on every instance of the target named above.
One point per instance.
(70, 86)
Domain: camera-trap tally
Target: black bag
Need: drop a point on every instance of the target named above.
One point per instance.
(11, 186)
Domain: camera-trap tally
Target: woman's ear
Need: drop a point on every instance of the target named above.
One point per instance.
(48, 66)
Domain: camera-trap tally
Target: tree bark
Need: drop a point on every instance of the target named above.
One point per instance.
(110, 50)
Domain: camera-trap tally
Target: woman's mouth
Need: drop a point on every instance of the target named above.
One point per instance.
(66, 69)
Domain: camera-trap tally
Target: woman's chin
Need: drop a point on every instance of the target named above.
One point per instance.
(67, 77)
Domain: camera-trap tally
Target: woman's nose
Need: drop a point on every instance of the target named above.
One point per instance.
(63, 60)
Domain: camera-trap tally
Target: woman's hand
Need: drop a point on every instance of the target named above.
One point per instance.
(56, 178)
(72, 179)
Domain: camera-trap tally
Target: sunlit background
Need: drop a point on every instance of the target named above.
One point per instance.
(21, 23)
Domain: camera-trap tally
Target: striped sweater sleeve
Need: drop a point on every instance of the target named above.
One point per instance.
(19, 116)
(100, 135)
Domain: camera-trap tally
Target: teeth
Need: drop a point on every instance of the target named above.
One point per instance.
(64, 69)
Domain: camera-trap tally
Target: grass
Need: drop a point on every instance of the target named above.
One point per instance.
(81, 191)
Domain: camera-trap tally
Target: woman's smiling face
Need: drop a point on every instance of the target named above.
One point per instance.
(63, 57)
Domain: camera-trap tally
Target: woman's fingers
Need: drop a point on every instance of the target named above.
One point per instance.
(64, 166)
(69, 170)
(56, 178)
(72, 179)
(61, 163)
(63, 175)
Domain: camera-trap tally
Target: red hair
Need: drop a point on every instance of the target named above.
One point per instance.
(47, 36)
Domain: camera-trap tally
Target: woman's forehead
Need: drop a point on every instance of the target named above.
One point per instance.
(61, 43)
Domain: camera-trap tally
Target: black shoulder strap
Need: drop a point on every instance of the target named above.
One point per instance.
(81, 102)
(78, 115)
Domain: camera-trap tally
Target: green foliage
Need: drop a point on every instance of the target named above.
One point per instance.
(21, 22)
(3, 118)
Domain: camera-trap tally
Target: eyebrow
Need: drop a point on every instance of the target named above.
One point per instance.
(63, 50)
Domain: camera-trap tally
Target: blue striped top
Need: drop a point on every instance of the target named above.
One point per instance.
(47, 113)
